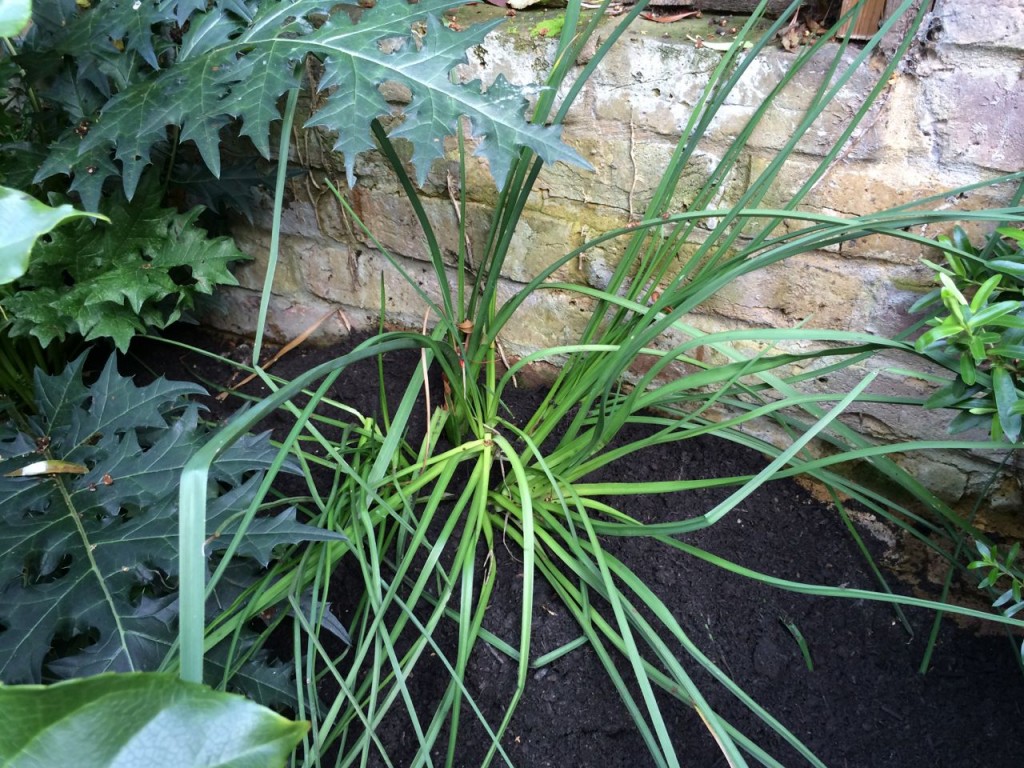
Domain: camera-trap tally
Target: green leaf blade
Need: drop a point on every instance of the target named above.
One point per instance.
(273, 69)
(1005, 391)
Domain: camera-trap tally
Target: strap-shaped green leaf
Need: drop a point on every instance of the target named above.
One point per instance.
(1005, 391)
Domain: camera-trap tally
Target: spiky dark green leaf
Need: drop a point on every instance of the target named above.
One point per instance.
(89, 567)
(111, 281)
(231, 65)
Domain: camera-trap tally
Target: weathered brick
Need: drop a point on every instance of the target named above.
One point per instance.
(983, 23)
(251, 274)
(287, 316)
(977, 116)
(783, 294)
(352, 277)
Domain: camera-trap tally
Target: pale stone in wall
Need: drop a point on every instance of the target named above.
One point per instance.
(352, 276)
(984, 23)
(780, 123)
(979, 116)
(252, 274)
(288, 316)
(973, 98)
(649, 84)
(547, 318)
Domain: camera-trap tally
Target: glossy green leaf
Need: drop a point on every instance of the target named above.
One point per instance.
(977, 349)
(133, 720)
(954, 261)
(1006, 395)
(14, 15)
(1013, 233)
(984, 291)
(966, 420)
(952, 297)
(945, 397)
(990, 579)
(1013, 268)
(1008, 351)
(1003, 599)
(948, 328)
(967, 370)
(1012, 554)
(962, 241)
(1009, 321)
(25, 221)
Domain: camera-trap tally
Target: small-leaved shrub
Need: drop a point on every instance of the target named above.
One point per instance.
(1010, 601)
(980, 335)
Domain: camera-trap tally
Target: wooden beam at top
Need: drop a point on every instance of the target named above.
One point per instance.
(871, 17)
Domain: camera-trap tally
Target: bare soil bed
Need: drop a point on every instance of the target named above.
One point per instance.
(863, 705)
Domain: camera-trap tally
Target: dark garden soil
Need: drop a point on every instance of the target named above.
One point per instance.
(863, 705)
